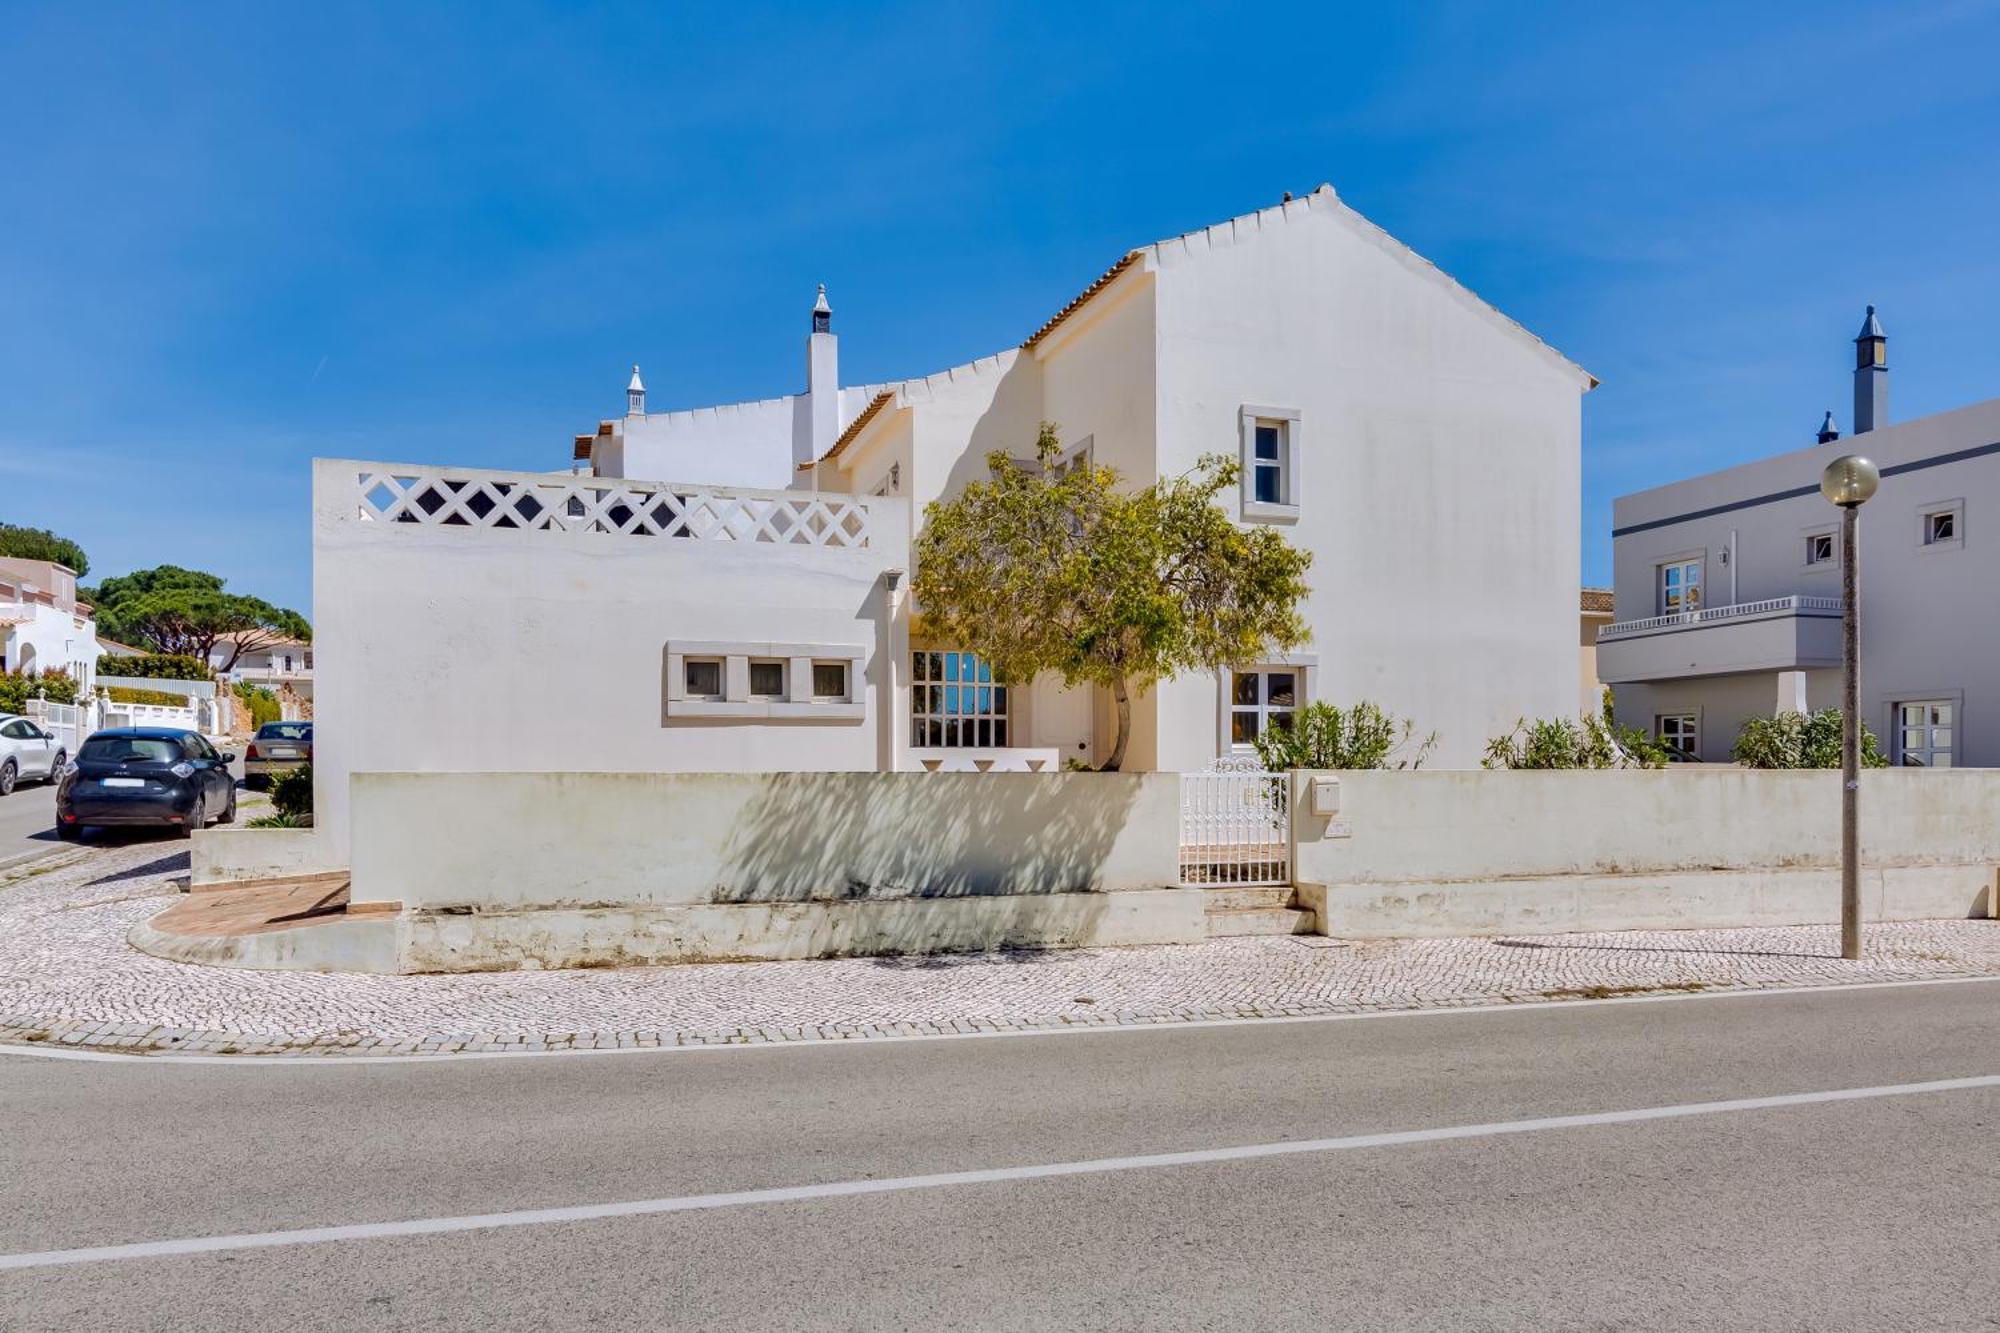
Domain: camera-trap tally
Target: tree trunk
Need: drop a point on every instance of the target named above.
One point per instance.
(1123, 696)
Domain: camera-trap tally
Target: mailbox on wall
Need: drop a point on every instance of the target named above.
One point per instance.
(1323, 798)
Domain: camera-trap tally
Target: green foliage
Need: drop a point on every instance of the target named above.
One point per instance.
(281, 821)
(1322, 736)
(41, 544)
(16, 688)
(155, 666)
(292, 791)
(1562, 743)
(187, 611)
(126, 694)
(1800, 740)
(1037, 570)
(262, 703)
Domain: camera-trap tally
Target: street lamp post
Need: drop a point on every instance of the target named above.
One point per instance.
(1848, 481)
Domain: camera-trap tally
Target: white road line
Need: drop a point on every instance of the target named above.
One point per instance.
(1529, 1006)
(595, 1212)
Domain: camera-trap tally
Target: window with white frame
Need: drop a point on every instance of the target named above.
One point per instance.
(1079, 456)
(1270, 461)
(1680, 587)
(829, 680)
(955, 702)
(767, 678)
(1924, 733)
(1940, 527)
(1259, 700)
(772, 682)
(1819, 548)
(701, 677)
(1680, 733)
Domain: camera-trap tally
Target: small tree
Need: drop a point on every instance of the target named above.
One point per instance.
(1562, 743)
(1038, 570)
(1322, 736)
(1800, 740)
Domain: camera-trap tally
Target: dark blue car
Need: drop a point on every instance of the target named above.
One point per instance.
(164, 777)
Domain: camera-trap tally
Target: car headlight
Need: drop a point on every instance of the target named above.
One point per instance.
(182, 770)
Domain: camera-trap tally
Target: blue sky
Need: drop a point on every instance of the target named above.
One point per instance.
(232, 239)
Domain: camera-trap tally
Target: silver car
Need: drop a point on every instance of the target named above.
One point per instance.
(26, 751)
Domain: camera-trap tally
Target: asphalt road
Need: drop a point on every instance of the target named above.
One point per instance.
(1879, 1212)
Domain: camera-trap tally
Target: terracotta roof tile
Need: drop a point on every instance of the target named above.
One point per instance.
(854, 428)
(1104, 280)
(1597, 601)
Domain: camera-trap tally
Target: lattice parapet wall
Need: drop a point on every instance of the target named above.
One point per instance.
(537, 502)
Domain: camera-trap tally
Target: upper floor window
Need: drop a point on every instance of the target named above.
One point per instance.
(1680, 587)
(1940, 526)
(1270, 464)
(1819, 548)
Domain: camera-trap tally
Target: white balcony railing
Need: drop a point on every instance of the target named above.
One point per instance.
(1714, 615)
(539, 502)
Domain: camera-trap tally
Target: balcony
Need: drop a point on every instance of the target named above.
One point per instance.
(1779, 634)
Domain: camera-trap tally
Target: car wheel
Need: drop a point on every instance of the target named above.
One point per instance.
(57, 765)
(10, 773)
(228, 815)
(197, 818)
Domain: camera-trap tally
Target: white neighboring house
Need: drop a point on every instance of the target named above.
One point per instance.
(285, 668)
(726, 588)
(43, 627)
(1729, 587)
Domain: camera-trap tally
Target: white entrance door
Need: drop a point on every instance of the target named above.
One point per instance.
(1065, 719)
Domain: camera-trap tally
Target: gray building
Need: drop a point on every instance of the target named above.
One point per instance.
(1728, 588)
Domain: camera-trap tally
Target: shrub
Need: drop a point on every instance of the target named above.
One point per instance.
(125, 694)
(1800, 740)
(155, 666)
(262, 703)
(17, 688)
(281, 821)
(292, 791)
(1563, 743)
(1322, 736)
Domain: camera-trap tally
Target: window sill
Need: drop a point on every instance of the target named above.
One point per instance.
(1262, 511)
(765, 710)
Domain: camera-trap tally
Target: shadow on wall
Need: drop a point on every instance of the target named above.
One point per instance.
(844, 837)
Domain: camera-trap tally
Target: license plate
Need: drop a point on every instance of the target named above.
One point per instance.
(124, 782)
(283, 752)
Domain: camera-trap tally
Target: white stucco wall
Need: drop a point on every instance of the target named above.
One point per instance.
(1440, 468)
(1439, 853)
(736, 444)
(469, 649)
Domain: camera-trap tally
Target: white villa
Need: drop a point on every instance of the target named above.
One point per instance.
(43, 627)
(1420, 444)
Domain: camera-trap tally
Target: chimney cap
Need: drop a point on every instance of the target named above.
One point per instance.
(1828, 432)
(637, 385)
(820, 307)
(1871, 327)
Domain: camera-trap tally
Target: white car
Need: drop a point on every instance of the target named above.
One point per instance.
(26, 751)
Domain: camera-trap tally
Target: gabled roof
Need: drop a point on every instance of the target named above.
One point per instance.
(854, 428)
(1077, 302)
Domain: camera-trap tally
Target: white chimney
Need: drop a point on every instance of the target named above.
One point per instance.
(822, 385)
(635, 395)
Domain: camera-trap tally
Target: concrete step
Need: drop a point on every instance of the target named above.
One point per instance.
(1236, 896)
(1260, 921)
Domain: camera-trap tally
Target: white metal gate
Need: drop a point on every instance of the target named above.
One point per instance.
(1235, 826)
(68, 723)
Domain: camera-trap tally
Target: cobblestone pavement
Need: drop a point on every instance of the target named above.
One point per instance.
(68, 978)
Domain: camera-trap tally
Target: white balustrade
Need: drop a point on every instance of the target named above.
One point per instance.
(1713, 615)
(541, 502)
